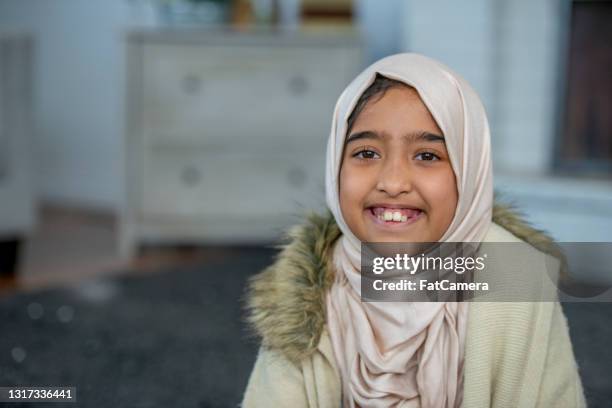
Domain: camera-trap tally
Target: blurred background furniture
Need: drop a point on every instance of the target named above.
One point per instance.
(227, 131)
(16, 197)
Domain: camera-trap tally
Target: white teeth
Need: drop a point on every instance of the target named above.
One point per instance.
(395, 216)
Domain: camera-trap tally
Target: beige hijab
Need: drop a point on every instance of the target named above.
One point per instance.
(398, 354)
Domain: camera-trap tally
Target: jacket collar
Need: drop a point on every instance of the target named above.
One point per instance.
(286, 301)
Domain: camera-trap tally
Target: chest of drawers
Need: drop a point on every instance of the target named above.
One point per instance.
(17, 212)
(226, 132)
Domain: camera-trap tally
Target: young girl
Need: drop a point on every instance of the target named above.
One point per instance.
(408, 160)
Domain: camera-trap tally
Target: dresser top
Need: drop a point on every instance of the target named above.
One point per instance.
(249, 36)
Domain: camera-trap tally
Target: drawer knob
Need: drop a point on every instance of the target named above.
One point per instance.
(298, 85)
(191, 176)
(191, 84)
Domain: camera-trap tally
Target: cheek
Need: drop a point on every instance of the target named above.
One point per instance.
(347, 192)
(353, 190)
(441, 195)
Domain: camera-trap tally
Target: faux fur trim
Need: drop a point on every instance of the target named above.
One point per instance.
(286, 302)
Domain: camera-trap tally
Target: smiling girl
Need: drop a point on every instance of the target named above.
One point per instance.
(408, 160)
(396, 179)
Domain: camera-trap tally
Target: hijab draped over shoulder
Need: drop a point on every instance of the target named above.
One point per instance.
(408, 354)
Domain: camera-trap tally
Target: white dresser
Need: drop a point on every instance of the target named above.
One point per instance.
(227, 131)
(17, 212)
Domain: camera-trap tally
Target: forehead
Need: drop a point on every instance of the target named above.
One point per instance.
(397, 106)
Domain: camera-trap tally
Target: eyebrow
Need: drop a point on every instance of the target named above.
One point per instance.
(410, 137)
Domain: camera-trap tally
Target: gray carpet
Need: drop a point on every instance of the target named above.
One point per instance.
(177, 338)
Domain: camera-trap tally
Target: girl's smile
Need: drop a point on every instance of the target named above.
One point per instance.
(394, 215)
(396, 180)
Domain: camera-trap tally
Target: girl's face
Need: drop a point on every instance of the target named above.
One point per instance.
(396, 180)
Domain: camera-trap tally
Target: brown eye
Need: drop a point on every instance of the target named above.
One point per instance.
(427, 156)
(366, 154)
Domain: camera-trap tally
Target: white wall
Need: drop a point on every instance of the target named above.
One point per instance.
(529, 35)
(78, 102)
(508, 51)
(458, 34)
(380, 24)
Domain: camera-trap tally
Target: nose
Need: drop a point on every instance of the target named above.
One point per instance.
(395, 176)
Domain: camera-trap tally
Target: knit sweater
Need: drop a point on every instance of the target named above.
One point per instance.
(518, 354)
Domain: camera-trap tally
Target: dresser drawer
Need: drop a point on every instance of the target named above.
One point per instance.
(195, 184)
(251, 95)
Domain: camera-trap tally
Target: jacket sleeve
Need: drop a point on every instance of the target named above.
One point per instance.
(275, 382)
(561, 385)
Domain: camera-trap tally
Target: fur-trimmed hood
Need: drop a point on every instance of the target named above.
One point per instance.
(286, 301)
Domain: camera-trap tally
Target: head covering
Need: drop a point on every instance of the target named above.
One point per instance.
(408, 354)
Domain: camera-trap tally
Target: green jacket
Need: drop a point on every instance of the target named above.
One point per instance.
(517, 354)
